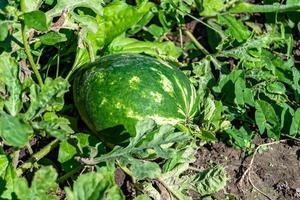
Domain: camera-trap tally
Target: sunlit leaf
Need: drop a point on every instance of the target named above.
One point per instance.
(51, 38)
(95, 185)
(37, 20)
(212, 7)
(43, 185)
(166, 50)
(9, 73)
(69, 5)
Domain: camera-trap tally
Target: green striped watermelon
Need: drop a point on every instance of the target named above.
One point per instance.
(119, 90)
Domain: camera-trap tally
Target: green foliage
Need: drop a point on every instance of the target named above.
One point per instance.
(13, 131)
(52, 38)
(7, 176)
(39, 189)
(37, 20)
(3, 31)
(43, 185)
(212, 7)
(210, 181)
(246, 73)
(9, 71)
(95, 185)
(165, 50)
(70, 5)
(47, 98)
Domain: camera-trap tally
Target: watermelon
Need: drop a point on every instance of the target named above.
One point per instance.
(116, 91)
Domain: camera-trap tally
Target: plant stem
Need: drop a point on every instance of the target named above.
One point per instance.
(15, 160)
(29, 55)
(195, 41)
(57, 64)
(69, 174)
(27, 48)
(37, 156)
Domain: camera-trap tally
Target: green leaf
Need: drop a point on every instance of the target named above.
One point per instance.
(142, 197)
(212, 7)
(166, 50)
(295, 126)
(43, 186)
(144, 169)
(3, 30)
(265, 116)
(9, 73)
(7, 176)
(37, 20)
(210, 181)
(209, 108)
(54, 125)
(31, 5)
(66, 152)
(95, 185)
(70, 5)
(276, 88)
(241, 138)
(48, 96)
(235, 28)
(255, 8)
(13, 131)
(296, 84)
(239, 88)
(116, 19)
(155, 30)
(147, 139)
(52, 38)
(182, 156)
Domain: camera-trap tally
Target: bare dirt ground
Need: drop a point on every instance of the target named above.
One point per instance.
(275, 171)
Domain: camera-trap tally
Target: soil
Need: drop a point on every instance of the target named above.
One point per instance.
(275, 171)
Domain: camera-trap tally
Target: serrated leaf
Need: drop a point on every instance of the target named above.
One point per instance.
(165, 50)
(43, 186)
(9, 72)
(36, 20)
(295, 126)
(52, 38)
(56, 126)
(48, 95)
(210, 181)
(144, 169)
(95, 185)
(147, 139)
(70, 5)
(13, 131)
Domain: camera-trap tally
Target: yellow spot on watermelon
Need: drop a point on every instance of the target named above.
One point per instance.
(157, 97)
